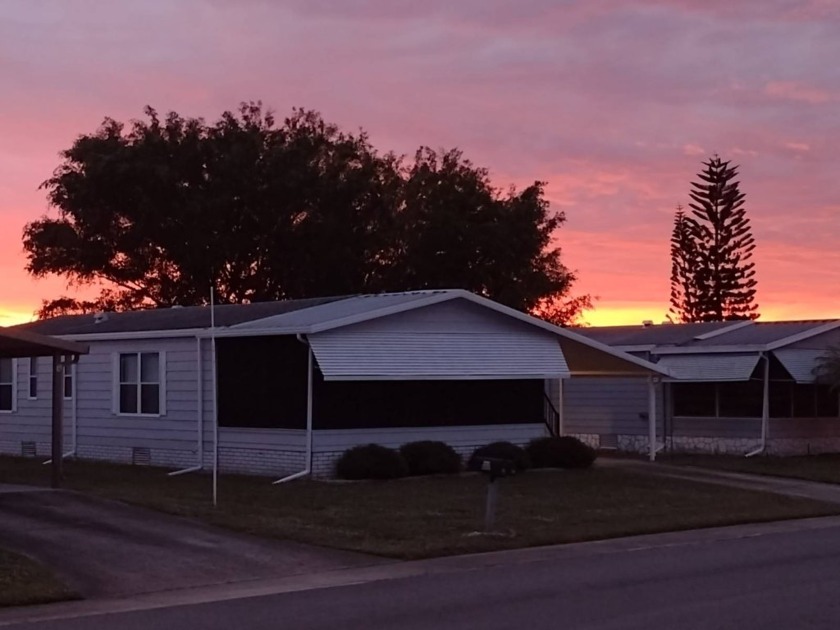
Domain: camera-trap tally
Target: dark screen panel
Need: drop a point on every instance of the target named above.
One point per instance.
(262, 382)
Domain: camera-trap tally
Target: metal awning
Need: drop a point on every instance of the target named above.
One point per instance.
(20, 343)
(346, 355)
(799, 363)
(710, 367)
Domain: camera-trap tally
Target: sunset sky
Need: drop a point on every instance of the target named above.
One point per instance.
(614, 104)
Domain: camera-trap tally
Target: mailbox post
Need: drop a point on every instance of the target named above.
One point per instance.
(494, 467)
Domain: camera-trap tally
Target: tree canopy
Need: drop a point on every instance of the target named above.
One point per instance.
(712, 275)
(827, 369)
(160, 209)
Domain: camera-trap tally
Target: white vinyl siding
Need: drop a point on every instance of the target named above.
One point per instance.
(8, 388)
(140, 384)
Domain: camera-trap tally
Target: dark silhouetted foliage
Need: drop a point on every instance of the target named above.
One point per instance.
(560, 452)
(712, 276)
(371, 461)
(158, 210)
(430, 458)
(501, 450)
(827, 369)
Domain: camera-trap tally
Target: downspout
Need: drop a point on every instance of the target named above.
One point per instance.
(308, 457)
(765, 408)
(199, 414)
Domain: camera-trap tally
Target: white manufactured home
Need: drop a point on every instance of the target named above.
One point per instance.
(283, 387)
(735, 387)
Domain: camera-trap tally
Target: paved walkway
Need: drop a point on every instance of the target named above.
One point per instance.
(828, 492)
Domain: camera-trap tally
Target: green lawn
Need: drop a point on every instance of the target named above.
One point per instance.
(824, 468)
(24, 581)
(433, 516)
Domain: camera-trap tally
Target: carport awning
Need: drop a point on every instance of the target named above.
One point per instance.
(21, 343)
(710, 367)
(367, 356)
(799, 363)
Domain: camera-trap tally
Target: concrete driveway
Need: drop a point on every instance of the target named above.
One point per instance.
(108, 549)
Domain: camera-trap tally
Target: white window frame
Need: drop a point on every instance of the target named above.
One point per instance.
(69, 373)
(14, 386)
(33, 378)
(115, 393)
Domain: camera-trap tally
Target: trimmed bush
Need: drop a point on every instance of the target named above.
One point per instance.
(560, 452)
(371, 461)
(430, 458)
(501, 450)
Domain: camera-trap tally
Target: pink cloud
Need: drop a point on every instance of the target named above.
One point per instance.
(798, 92)
(615, 105)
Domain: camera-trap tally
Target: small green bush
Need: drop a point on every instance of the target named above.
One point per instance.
(371, 461)
(560, 452)
(501, 450)
(430, 458)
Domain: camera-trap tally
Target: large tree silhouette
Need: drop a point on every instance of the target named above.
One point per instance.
(158, 210)
(712, 274)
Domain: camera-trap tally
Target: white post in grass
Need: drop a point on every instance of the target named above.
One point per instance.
(652, 418)
(215, 399)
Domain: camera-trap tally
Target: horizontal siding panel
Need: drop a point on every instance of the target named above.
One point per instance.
(710, 367)
(348, 355)
(607, 406)
(716, 427)
(799, 363)
(260, 438)
(803, 427)
(464, 436)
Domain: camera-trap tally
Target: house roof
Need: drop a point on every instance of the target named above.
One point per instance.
(165, 319)
(313, 316)
(662, 334)
(706, 337)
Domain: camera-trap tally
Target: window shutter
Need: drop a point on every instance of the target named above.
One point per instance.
(162, 386)
(115, 383)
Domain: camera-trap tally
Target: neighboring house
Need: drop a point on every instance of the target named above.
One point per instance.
(283, 387)
(736, 387)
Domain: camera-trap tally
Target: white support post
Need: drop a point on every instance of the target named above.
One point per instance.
(307, 469)
(561, 430)
(651, 418)
(765, 409)
(765, 402)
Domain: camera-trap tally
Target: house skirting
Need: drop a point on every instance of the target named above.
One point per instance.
(715, 445)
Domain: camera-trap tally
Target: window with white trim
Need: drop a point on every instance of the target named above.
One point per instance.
(139, 387)
(7, 385)
(69, 371)
(33, 378)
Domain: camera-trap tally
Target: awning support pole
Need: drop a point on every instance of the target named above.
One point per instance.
(651, 419)
(57, 419)
(308, 463)
(765, 408)
(560, 428)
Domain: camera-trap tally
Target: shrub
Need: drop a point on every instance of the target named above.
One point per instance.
(560, 452)
(501, 450)
(430, 458)
(371, 461)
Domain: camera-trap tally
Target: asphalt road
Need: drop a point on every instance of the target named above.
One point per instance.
(756, 579)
